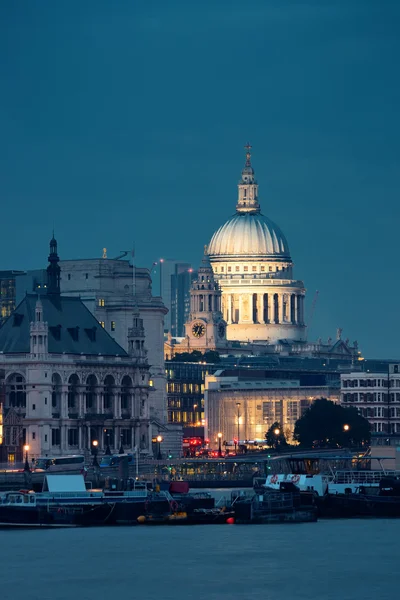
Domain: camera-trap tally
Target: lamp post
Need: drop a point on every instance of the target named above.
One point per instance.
(95, 450)
(238, 423)
(219, 444)
(194, 419)
(346, 429)
(26, 467)
(159, 440)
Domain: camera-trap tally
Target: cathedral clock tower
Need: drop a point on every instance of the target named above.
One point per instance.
(205, 329)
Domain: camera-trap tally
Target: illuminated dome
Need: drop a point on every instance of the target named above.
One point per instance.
(249, 234)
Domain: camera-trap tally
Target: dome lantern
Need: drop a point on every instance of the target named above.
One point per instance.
(248, 188)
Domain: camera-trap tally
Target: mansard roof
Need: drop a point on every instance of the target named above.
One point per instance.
(72, 328)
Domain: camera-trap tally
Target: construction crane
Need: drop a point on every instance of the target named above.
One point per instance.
(311, 315)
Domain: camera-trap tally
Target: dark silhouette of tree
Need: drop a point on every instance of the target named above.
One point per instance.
(328, 425)
(275, 440)
(211, 356)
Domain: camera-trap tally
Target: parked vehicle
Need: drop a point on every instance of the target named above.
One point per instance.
(59, 464)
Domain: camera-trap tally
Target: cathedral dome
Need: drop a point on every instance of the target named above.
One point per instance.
(249, 234)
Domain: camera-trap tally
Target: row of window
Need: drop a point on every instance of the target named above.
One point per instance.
(185, 417)
(189, 403)
(185, 388)
(364, 383)
(254, 269)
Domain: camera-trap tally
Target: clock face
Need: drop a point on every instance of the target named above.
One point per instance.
(221, 330)
(198, 330)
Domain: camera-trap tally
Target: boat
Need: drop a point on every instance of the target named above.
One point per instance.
(20, 509)
(267, 506)
(366, 501)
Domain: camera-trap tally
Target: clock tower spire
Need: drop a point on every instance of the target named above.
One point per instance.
(206, 327)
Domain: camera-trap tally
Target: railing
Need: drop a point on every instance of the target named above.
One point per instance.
(362, 476)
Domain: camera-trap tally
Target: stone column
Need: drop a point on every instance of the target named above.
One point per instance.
(80, 446)
(97, 398)
(64, 403)
(260, 308)
(81, 402)
(297, 298)
(89, 439)
(280, 301)
(271, 308)
(229, 308)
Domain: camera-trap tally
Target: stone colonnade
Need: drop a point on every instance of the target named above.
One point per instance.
(261, 308)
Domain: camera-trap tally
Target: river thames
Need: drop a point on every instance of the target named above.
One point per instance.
(342, 559)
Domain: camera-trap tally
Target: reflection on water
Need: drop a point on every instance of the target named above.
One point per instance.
(328, 560)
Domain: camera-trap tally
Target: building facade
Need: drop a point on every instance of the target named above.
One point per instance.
(261, 301)
(376, 396)
(181, 283)
(245, 408)
(67, 382)
(112, 289)
(8, 282)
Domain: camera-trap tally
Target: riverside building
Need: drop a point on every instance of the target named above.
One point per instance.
(66, 382)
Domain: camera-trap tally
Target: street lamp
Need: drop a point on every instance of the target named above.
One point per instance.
(26, 467)
(238, 423)
(95, 450)
(159, 440)
(346, 427)
(194, 419)
(277, 431)
(219, 436)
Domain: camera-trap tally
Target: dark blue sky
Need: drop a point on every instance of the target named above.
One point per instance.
(125, 122)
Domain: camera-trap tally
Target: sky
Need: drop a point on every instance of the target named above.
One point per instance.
(123, 123)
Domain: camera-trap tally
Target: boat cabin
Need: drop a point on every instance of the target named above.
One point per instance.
(22, 499)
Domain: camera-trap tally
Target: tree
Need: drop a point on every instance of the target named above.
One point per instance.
(275, 437)
(328, 425)
(212, 356)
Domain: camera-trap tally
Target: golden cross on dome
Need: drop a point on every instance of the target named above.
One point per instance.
(248, 153)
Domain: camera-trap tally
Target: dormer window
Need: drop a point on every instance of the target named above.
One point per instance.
(102, 302)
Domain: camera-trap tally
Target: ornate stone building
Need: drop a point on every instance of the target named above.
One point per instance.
(112, 289)
(67, 380)
(261, 301)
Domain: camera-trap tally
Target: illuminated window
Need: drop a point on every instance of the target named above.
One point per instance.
(101, 302)
(222, 269)
(112, 325)
(216, 269)
(236, 268)
(151, 383)
(102, 323)
(262, 268)
(246, 268)
(229, 269)
(254, 268)
(270, 268)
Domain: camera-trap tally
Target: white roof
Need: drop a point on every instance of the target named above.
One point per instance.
(64, 483)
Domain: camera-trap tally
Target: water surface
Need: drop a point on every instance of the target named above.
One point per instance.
(328, 560)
